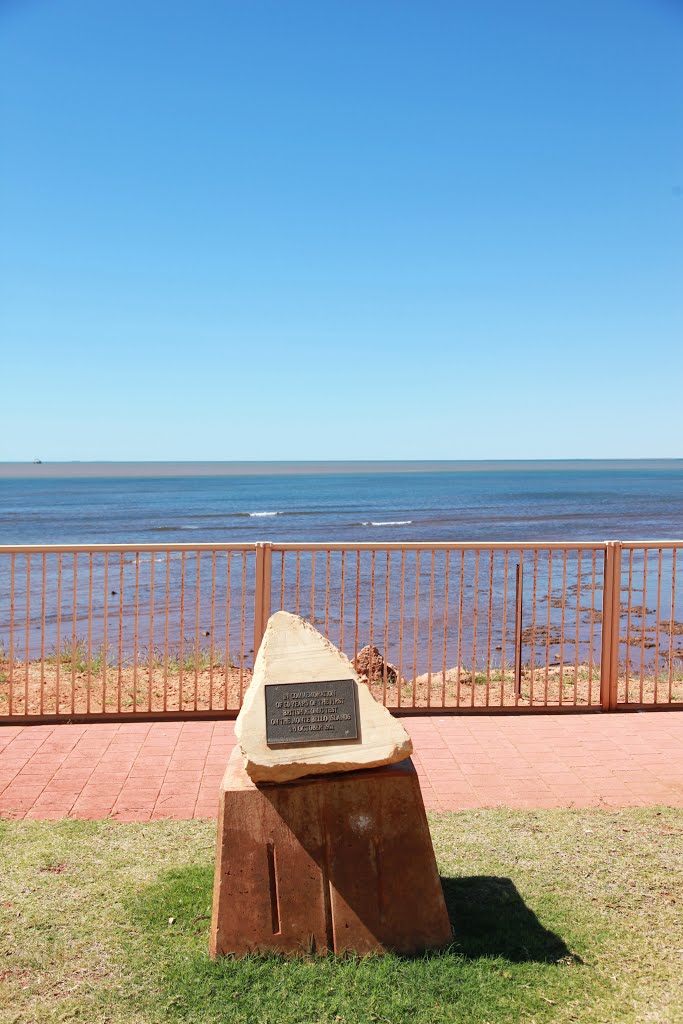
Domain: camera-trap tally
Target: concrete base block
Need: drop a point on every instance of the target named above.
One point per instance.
(336, 862)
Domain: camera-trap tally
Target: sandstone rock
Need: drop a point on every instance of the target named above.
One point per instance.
(371, 665)
(292, 651)
(438, 678)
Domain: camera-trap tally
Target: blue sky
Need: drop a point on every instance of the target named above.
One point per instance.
(362, 229)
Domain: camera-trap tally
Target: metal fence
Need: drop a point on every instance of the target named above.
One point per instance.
(135, 630)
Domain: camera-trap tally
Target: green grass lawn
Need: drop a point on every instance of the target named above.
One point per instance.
(558, 916)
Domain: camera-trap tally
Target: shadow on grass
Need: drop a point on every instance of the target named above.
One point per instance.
(490, 919)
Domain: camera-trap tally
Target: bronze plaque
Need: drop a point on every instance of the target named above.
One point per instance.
(323, 712)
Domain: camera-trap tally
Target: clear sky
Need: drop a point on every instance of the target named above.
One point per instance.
(341, 229)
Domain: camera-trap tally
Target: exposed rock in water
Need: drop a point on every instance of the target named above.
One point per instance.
(371, 665)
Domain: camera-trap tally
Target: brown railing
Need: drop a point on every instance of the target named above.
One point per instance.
(125, 629)
(89, 631)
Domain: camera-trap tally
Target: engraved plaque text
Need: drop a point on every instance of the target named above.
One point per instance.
(321, 712)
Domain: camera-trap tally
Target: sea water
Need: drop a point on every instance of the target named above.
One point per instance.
(477, 501)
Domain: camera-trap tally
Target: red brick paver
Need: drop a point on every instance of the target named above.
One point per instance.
(146, 770)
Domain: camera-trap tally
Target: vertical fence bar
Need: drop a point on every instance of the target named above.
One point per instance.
(562, 624)
(120, 665)
(548, 627)
(181, 639)
(430, 631)
(136, 626)
(578, 624)
(150, 676)
(42, 635)
(342, 588)
(519, 596)
(197, 612)
(105, 617)
(212, 626)
(591, 641)
(416, 624)
(328, 561)
(11, 630)
(642, 627)
(401, 613)
(532, 659)
(313, 590)
(88, 683)
(444, 668)
(609, 658)
(167, 612)
(58, 656)
(74, 639)
(503, 637)
(616, 601)
(387, 583)
(243, 603)
(475, 609)
(371, 622)
(489, 631)
(227, 626)
(27, 641)
(461, 610)
(671, 624)
(355, 641)
(655, 696)
(628, 626)
(298, 582)
(606, 646)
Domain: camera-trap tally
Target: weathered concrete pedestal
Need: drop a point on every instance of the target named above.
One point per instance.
(340, 862)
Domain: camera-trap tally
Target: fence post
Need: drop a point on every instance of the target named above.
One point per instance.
(264, 559)
(611, 599)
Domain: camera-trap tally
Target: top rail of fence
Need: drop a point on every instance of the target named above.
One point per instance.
(452, 545)
(664, 544)
(445, 545)
(64, 549)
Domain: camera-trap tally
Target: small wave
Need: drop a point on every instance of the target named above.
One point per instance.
(392, 522)
(258, 515)
(172, 529)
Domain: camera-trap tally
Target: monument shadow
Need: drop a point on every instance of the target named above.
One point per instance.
(490, 919)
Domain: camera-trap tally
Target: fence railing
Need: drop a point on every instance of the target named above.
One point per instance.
(91, 631)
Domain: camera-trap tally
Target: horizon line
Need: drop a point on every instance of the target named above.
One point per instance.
(280, 467)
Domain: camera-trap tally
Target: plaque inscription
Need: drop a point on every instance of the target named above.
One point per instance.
(320, 712)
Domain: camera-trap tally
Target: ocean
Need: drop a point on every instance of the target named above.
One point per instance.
(421, 501)
(429, 611)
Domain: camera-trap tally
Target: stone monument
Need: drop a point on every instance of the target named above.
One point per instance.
(323, 843)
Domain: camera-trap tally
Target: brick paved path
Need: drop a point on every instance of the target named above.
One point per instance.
(142, 771)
